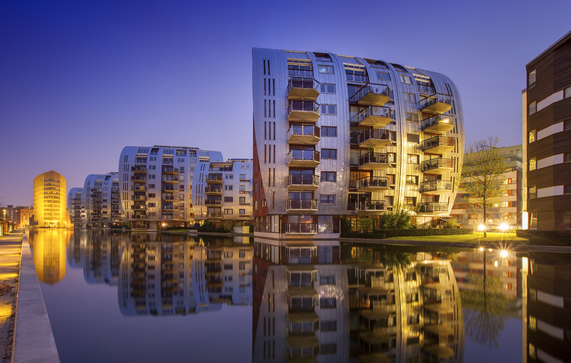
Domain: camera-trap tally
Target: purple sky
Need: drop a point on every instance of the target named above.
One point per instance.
(79, 80)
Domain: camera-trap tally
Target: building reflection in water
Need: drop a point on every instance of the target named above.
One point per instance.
(546, 286)
(370, 306)
(49, 253)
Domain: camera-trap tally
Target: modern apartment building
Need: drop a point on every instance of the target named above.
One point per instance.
(547, 138)
(223, 191)
(75, 207)
(508, 210)
(101, 200)
(50, 207)
(156, 184)
(348, 137)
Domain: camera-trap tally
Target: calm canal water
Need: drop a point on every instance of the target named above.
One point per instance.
(114, 297)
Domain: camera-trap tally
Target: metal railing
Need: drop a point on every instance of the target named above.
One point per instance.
(169, 169)
(301, 228)
(212, 190)
(372, 205)
(436, 120)
(437, 141)
(139, 168)
(300, 73)
(302, 204)
(435, 98)
(376, 181)
(378, 89)
(435, 185)
(426, 89)
(213, 202)
(376, 158)
(169, 179)
(378, 111)
(436, 164)
(306, 106)
(432, 207)
(306, 83)
(213, 178)
(307, 155)
(374, 134)
(304, 130)
(141, 188)
(303, 180)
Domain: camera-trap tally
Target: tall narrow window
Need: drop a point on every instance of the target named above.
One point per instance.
(265, 131)
(264, 86)
(274, 101)
(269, 67)
(264, 66)
(532, 108)
(274, 130)
(274, 86)
(532, 136)
(264, 153)
(265, 109)
(531, 78)
(274, 155)
(532, 164)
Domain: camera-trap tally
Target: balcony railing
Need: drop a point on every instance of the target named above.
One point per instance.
(139, 169)
(300, 73)
(304, 88)
(139, 207)
(426, 89)
(214, 214)
(302, 204)
(431, 207)
(309, 181)
(169, 170)
(303, 157)
(172, 179)
(211, 202)
(139, 178)
(301, 228)
(374, 137)
(373, 116)
(436, 186)
(376, 182)
(373, 161)
(169, 188)
(438, 164)
(304, 134)
(138, 188)
(436, 103)
(438, 124)
(438, 144)
(371, 94)
(370, 206)
(139, 197)
(211, 190)
(214, 178)
(303, 111)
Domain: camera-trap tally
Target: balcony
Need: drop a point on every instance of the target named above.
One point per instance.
(140, 216)
(374, 138)
(138, 188)
(371, 95)
(437, 103)
(436, 187)
(438, 145)
(303, 182)
(437, 166)
(139, 197)
(139, 169)
(304, 134)
(170, 179)
(302, 205)
(438, 124)
(98, 196)
(213, 191)
(373, 116)
(139, 207)
(368, 207)
(307, 111)
(169, 189)
(301, 228)
(214, 215)
(374, 161)
(433, 207)
(213, 202)
(169, 170)
(214, 179)
(302, 88)
(303, 158)
(169, 207)
(374, 184)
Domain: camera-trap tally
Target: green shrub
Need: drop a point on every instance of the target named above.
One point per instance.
(398, 218)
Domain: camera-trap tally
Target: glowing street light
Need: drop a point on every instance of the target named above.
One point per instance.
(504, 253)
(504, 227)
(481, 227)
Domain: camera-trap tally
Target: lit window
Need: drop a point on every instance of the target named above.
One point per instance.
(532, 164)
(532, 136)
(532, 192)
(531, 108)
(412, 159)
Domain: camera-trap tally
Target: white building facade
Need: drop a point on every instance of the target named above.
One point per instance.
(101, 201)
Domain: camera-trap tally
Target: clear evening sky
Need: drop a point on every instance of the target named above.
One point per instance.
(79, 80)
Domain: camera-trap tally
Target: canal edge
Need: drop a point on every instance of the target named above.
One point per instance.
(33, 336)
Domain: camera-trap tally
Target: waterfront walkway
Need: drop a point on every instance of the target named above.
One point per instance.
(33, 337)
(10, 248)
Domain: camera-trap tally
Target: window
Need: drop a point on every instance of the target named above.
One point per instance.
(327, 303)
(323, 69)
(327, 88)
(228, 187)
(327, 199)
(410, 200)
(531, 78)
(532, 164)
(532, 192)
(151, 195)
(328, 109)
(228, 211)
(413, 138)
(412, 159)
(228, 199)
(327, 279)
(229, 176)
(329, 154)
(568, 157)
(567, 217)
(531, 108)
(412, 117)
(412, 180)
(242, 211)
(409, 97)
(330, 131)
(328, 176)
(330, 325)
(383, 76)
(152, 167)
(405, 79)
(242, 176)
(567, 125)
(152, 186)
(228, 267)
(153, 158)
(532, 136)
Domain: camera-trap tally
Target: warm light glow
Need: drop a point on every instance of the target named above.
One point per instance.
(504, 254)
(489, 250)
(481, 227)
(504, 227)
(50, 207)
(496, 263)
(164, 224)
(481, 249)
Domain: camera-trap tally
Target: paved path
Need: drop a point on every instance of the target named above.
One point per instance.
(33, 337)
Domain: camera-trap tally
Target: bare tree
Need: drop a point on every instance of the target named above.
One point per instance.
(483, 174)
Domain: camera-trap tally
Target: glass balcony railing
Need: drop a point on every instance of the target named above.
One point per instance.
(304, 88)
(374, 136)
(302, 204)
(440, 143)
(371, 206)
(304, 130)
(300, 73)
(303, 110)
(431, 207)
(214, 178)
(372, 111)
(303, 180)
(438, 163)
(169, 170)
(301, 228)
(138, 188)
(426, 89)
(374, 182)
(436, 103)
(372, 94)
(212, 202)
(436, 186)
(436, 121)
(374, 158)
(304, 155)
(212, 190)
